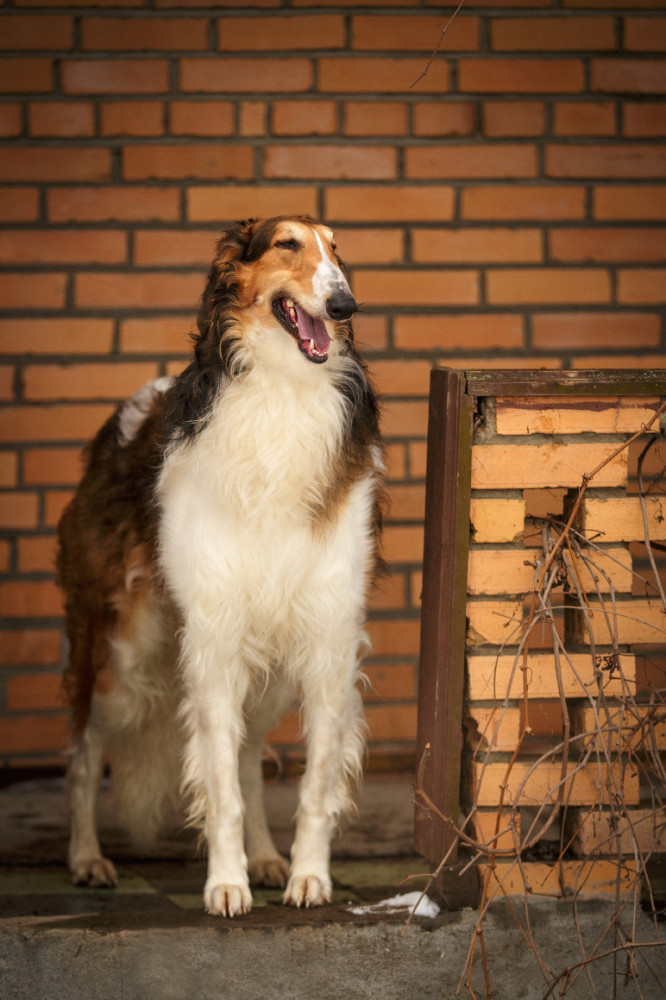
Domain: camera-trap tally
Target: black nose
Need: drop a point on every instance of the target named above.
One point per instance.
(342, 305)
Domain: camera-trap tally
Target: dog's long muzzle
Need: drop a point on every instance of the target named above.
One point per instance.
(341, 305)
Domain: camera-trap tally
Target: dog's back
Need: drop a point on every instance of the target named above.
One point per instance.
(236, 507)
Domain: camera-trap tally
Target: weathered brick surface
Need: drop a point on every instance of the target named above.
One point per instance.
(505, 209)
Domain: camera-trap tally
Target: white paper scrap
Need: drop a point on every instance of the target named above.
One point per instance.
(425, 907)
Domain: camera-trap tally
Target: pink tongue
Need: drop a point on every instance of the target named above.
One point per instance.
(310, 328)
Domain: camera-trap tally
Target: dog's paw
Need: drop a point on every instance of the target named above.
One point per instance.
(94, 872)
(227, 900)
(272, 872)
(307, 890)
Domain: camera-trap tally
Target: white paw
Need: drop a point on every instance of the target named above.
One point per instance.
(227, 900)
(272, 872)
(93, 872)
(308, 890)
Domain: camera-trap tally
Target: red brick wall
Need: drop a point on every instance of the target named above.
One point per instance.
(507, 210)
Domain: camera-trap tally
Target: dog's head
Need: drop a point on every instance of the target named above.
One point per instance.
(278, 280)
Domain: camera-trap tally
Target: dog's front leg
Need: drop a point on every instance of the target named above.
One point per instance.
(334, 727)
(214, 702)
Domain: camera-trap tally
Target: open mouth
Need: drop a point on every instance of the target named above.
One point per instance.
(310, 333)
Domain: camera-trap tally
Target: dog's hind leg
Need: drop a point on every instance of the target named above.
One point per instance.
(86, 862)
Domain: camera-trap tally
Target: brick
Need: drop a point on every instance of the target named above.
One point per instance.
(168, 335)
(37, 554)
(514, 118)
(644, 120)
(390, 722)
(635, 621)
(69, 164)
(510, 361)
(580, 330)
(577, 415)
(8, 468)
(467, 161)
(25, 76)
(599, 832)
(607, 244)
(57, 422)
(146, 290)
(366, 118)
(628, 76)
(404, 419)
(614, 160)
(533, 466)
(408, 33)
(115, 76)
(619, 360)
(113, 204)
(32, 733)
(169, 162)
(620, 729)
(52, 466)
(19, 509)
(230, 75)
(304, 117)
(584, 879)
(32, 291)
(201, 118)
(406, 502)
(174, 248)
(30, 647)
(512, 571)
(388, 594)
(390, 681)
(370, 246)
(208, 204)
(55, 502)
(25, 32)
(533, 785)
(471, 246)
(548, 284)
(60, 118)
(466, 332)
(403, 544)
(620, 519)
(584, 118)
(338, 162)
(66, 246)
(253, 117)
(523, 202)
(642, 285)
(431, 118)
(36, 691)
(251, 34)
(498, 677)
(630, 202)
(645, 34)
(422, 288)
(371, 332)
(394, 637)
(11, 120)
(85, 381)
(389, 202)
(552, 34)
(486, 829)
(141, 118)
(497, 729)
(19, 204)
(520, 76)
(496, 519)
(143, 34)
(381, 75)
(494, 623)
(56, 336)
(30, 599)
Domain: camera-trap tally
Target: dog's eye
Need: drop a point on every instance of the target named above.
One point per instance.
(288, 245)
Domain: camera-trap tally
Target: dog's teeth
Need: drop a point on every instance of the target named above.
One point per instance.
(290, 303)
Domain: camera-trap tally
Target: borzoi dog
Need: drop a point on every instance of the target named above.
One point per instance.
(216, 560)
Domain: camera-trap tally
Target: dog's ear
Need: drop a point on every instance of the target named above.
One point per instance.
(233, 244)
